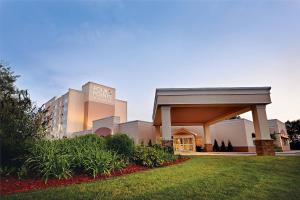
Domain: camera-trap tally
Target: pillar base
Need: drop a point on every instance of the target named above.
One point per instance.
(264, 147)
(208, 148)
(165, 143)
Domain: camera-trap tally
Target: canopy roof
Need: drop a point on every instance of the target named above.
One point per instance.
(196, 106)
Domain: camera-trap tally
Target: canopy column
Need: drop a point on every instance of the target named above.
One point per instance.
(263, 142)
(166, 126)
(207, 139)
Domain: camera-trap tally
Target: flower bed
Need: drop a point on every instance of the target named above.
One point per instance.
(13, 185)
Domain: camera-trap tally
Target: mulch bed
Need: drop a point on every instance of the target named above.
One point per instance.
(13, 185)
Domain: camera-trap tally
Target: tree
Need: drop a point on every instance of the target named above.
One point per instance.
(293, 130)
(150, 143)
(216, 146)
(229, 146)
(20, 119)
(223, 147)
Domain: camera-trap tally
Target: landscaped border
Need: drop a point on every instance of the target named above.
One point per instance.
(10, 184)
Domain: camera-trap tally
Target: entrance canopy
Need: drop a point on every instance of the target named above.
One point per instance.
(198, 106)
(206, 106)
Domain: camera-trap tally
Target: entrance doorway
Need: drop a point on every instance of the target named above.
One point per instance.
(183, 140)
(183, 144)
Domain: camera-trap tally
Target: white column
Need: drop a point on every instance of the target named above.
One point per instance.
(166, 122)
(207, 139)
(260, 121)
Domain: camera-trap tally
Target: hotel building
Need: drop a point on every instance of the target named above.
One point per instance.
(182, 117)
(76, 110)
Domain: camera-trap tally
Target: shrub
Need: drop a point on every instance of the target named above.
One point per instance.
(151, 156)
(7, 171)
(157, 146)
(223, 147)
(168, 149)
(62, 158)
(101, 162)
(46, 159)
(229, 146)
(121, 144)
(81, 147)
(216, 146)
(295, 145)
(199, 149)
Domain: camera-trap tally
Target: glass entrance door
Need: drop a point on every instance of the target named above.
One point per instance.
(183, 144)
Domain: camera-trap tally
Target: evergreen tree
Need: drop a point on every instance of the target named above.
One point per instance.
(229, 147)
(216, 146)
(223, 147)
(150, 143)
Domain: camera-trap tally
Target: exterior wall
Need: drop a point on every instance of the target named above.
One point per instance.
(121, 110)
(99, 93)
(57, 112)
(99, 102)
(249, 130)
(94, 111)
(139, 131)
(146, 132)
(278, 128)
(238, 131)
(75, 110)
(130, 129)
(108, 122)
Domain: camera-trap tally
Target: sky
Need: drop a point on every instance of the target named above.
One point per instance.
(138, 46)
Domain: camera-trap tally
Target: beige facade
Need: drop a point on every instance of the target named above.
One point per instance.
(76, 110)
(279, 134)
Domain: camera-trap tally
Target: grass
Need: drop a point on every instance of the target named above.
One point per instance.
(211, 177)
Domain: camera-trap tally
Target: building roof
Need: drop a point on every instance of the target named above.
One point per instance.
(240, 97)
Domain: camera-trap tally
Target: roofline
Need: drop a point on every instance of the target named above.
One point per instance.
(91, 82)
(135, 121)
(213, 89)
(125, 101)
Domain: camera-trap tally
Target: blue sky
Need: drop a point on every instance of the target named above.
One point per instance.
(137, 46)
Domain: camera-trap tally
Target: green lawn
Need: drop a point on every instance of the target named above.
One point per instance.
(211, 177)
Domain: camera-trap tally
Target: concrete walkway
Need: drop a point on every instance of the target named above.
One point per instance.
(191, 153)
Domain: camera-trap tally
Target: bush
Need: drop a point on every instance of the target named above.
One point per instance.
(47, 160)
(199, 149)
(81, 147)
(223, 147)
(216, 146)
(97, 162)
(62, 158)
(151, 156)
(229, 146)
(295, 145)
(121, 144)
